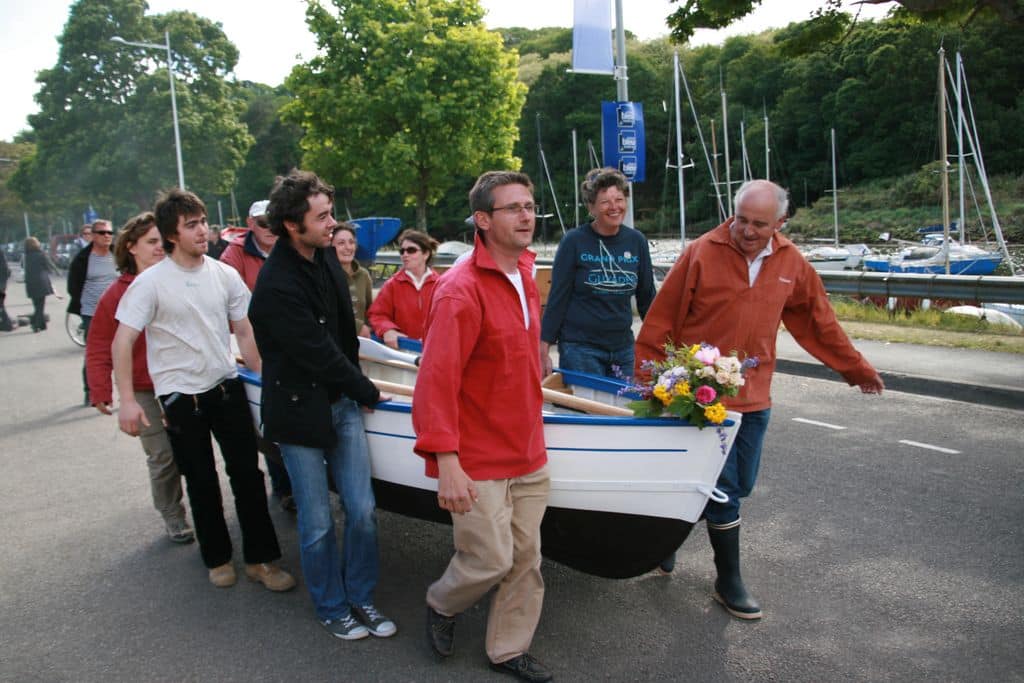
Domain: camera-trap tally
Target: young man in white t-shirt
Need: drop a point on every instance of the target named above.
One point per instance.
(189, 305)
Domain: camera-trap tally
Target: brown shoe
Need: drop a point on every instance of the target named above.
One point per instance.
(223, 576)
(271, 576)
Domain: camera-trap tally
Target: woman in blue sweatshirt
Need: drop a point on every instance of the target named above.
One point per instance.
(599, 267)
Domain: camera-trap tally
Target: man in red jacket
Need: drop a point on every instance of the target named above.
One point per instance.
(731, 288)
(480, 356)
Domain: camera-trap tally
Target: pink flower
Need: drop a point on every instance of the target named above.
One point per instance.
(705, 395)
(707, 354)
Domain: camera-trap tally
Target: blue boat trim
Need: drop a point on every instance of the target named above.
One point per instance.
(250, 377)
(620, 450)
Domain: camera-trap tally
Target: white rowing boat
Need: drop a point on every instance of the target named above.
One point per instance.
(625, 492)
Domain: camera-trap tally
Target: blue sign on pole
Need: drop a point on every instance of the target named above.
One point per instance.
(622, 138)
(90, 216)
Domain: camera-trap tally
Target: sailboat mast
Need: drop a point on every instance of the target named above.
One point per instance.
(725, 152)
(835, 191)
(960, 165)
(944, 168)
(767, 150)
(679, 150)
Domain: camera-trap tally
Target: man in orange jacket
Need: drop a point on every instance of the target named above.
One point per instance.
(731, 288)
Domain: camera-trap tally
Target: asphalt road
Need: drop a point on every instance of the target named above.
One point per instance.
(874, 559)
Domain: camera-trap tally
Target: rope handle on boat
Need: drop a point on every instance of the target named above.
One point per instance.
(713, 492)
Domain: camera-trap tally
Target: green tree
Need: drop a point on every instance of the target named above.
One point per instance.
(276, 148)
(829, 22)
(406, 97)
(104, 131)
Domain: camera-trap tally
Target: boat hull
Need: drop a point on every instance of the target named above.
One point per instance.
(625, 492)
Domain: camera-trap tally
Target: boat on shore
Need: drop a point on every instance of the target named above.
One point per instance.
(625, 491)
(964, 259)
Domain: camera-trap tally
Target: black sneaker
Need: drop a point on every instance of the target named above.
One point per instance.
(440, 632)
(375, 622)
(346, 628)
(525, 667)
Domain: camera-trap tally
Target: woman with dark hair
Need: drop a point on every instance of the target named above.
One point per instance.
(138, 247)
(599, 267)
(400, 309)
(360, 286)
(37, 281)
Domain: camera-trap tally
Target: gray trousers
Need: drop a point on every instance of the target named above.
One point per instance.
(164, 479)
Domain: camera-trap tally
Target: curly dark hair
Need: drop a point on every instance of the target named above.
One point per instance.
(289, 198)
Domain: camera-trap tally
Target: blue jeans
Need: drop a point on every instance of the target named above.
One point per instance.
(740, 471)
(596, 361)
(336, 581)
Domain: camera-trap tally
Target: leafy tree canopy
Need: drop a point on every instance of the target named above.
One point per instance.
(406, 97)
(828, 22)
(104, 131)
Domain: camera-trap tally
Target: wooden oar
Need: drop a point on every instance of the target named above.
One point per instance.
(551, 396)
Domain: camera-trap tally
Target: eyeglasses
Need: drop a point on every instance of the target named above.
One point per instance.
(408, 250)
(103, 232)
(515, 208)
(262, 223)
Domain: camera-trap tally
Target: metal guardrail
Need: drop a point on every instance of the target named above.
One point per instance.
(982, 289)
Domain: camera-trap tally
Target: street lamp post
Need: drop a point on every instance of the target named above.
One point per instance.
(174, 101)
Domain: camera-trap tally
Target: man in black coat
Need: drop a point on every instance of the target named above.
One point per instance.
(313, 396)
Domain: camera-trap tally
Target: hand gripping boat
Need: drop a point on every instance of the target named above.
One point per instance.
(625, 492)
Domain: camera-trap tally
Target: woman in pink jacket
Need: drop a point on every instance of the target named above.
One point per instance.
(138, 247)
(400, 308)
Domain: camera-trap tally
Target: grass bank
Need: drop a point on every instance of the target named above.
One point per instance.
(931, 328)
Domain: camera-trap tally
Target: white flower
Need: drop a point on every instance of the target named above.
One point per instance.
(723, 377)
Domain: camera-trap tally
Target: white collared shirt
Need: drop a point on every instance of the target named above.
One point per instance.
(754, 267)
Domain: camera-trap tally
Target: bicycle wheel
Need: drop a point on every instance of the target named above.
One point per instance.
(75, 328)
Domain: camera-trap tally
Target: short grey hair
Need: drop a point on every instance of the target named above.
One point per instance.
(781, 196)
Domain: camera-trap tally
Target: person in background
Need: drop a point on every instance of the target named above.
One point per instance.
(91, 272)
(6, 324)
(599, 267)
(731, 288)
(247, 254)
(306, 334)
(138, 246)
(488, 454)
(400, 308)
(84, 238)
(189, 305)
(360, 286)
(37, 281)
(217, 243)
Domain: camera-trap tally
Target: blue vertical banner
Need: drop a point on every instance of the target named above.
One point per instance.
(90, 216)
(592, 37)
(622, 138)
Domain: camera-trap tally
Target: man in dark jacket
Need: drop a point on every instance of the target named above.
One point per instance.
(91, 272)
(313, 390)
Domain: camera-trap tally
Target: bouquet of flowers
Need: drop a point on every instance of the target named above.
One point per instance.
(690, 384)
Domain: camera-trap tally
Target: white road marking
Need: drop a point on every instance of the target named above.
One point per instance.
(928, 446)
(818, 424)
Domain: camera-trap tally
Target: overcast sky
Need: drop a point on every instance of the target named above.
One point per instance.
(271, 35)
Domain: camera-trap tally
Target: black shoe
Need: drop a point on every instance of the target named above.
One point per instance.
(440, 632)
(525, 667)
(667, 565)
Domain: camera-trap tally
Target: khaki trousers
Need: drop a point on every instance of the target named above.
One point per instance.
(498, 543)
(164, 479)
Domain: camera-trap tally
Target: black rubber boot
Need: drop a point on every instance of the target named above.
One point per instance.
(729, 588)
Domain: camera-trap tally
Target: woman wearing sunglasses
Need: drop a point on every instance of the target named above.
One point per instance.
(400, 308)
